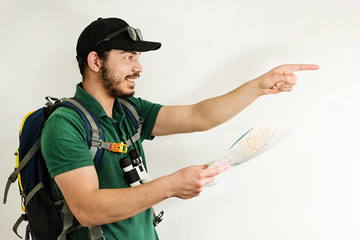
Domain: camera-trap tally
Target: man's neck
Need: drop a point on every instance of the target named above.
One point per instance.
(96, 89)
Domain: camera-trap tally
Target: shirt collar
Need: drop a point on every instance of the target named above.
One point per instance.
(94, 106)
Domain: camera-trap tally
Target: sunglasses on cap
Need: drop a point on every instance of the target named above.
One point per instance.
(134, 34)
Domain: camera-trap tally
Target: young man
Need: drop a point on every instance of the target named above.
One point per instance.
(108, 54)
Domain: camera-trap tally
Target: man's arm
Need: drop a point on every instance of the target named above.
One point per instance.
(93, 206)
(215, 111)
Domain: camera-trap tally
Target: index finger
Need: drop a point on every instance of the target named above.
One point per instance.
(289, 68)
(211, 172)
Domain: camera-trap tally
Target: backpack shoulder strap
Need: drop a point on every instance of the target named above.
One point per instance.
(131, 111)
(93, 128)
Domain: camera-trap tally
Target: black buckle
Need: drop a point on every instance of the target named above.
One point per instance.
(158, 218)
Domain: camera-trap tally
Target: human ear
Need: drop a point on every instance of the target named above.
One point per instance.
(94, 61)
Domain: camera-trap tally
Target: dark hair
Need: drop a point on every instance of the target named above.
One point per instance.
(83, 64)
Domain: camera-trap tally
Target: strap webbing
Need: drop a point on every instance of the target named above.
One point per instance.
(95, 131)
(12, 178)
(22, 218)
(93, 151)
(96, 233)
(133, 138)
(131, 108)
(138, 119)
(28, 197)
(68, 221)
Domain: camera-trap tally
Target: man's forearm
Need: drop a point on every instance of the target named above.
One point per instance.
(205, 114)
(111, 205)
(94, 206)
(215, 111)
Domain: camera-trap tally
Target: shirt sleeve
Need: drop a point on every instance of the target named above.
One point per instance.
(149, 112)
(63, 142)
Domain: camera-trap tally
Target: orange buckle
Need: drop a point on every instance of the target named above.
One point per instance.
(118, 147)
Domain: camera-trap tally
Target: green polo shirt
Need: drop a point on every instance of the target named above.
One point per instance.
(64, 147)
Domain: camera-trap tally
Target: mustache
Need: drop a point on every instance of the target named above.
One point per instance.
(135, 75)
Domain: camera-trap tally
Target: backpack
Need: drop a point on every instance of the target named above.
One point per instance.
(49, 219)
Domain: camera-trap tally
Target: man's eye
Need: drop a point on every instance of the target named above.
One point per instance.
(128, 57)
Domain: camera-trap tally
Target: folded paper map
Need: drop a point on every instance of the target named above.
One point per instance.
(252, 143)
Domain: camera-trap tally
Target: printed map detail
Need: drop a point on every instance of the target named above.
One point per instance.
(255, 141)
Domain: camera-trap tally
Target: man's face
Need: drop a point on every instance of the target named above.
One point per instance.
(119, 71)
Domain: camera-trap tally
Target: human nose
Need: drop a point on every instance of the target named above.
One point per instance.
(137, 67)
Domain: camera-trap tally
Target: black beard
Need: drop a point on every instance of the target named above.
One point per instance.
(109, 82)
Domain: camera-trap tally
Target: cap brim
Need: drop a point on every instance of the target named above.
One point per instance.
(139, 46)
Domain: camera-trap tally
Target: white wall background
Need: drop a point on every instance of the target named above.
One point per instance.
(305, 188)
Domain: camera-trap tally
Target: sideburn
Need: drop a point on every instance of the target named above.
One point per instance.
(109, 81)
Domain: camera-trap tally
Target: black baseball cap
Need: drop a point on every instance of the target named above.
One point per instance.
(105, 34)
